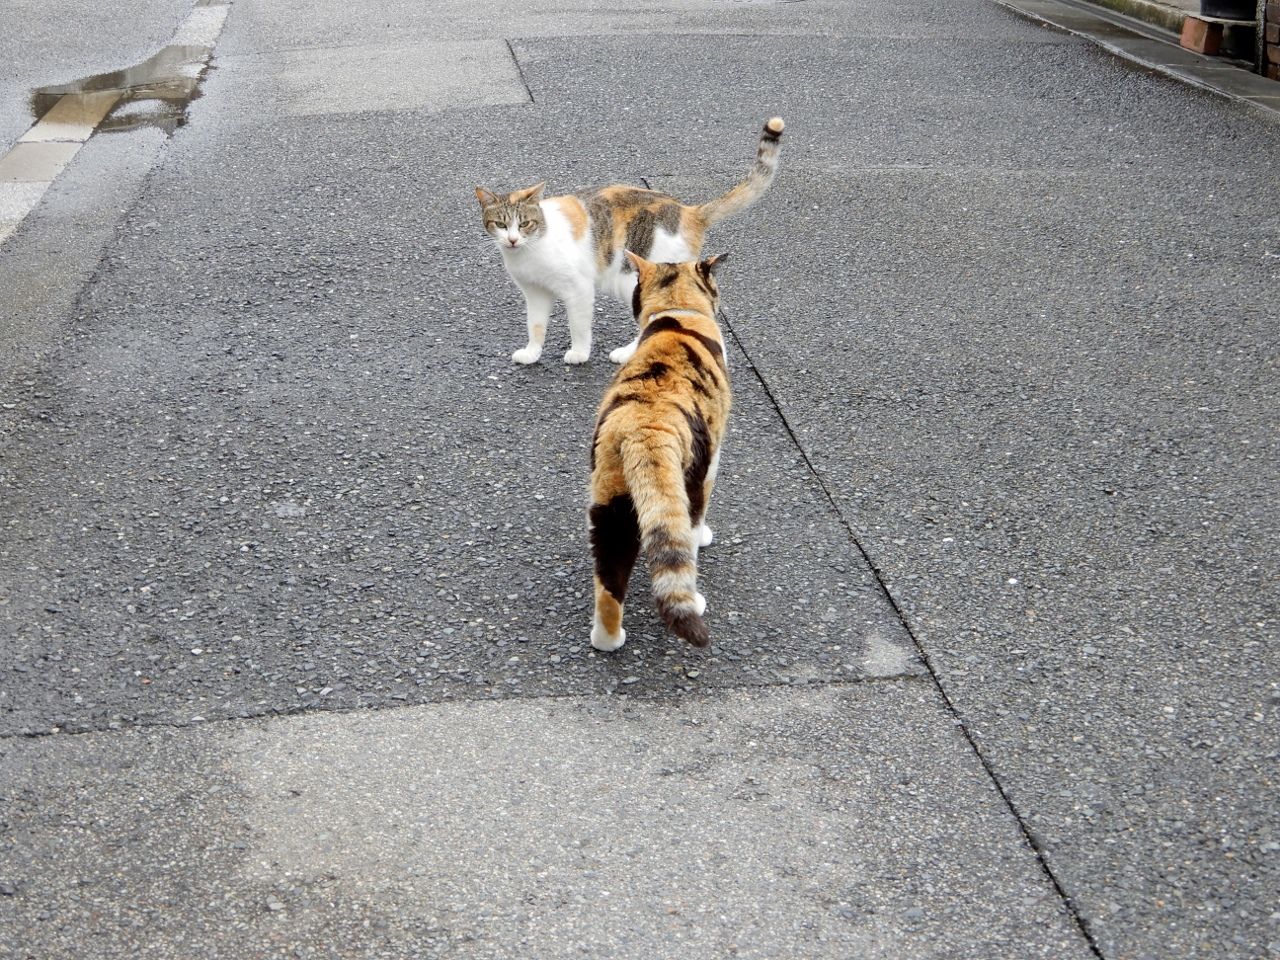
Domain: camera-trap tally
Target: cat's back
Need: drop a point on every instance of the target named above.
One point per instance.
(634, 214)
(677, 381)
(624, 197)
(646, 222)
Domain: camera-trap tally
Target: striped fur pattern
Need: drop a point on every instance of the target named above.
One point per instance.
(656, 450)
(566, 248)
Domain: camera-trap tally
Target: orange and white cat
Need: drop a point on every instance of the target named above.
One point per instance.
(565, 248)
(656, 451)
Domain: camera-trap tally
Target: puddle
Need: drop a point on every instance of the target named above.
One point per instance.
(153, 93)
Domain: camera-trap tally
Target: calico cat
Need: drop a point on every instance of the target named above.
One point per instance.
(563, 248)
(656, 450)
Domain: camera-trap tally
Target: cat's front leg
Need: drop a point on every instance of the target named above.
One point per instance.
(578, 305)
(538, 312)
(623, 354)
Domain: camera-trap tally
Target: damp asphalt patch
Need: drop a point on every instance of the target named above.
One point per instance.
(419, 76)
(155, 92)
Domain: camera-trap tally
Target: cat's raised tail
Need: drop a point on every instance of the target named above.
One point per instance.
(757, 182)
(651, 463)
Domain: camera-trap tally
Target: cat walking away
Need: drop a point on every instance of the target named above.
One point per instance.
(564, 248)
(656, 450)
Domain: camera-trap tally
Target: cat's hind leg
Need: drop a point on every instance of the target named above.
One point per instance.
(702, 535)
(538, 313)
(615, 543)
(579, 306)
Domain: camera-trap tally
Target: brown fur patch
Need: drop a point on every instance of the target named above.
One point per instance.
(615, 543)
(608, 609)
(573, 210)
(757, 180)
(628, 218)
(668, 323)
(601, 213)
(527, 194)
(693, 228)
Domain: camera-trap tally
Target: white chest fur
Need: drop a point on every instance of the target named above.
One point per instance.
(555, 261)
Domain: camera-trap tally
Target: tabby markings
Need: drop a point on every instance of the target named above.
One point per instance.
(662, 324)
(695, 477)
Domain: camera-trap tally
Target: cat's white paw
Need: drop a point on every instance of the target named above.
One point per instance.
(623, 354)
(704, 535)
(699, 604)
(603, 640)
(527, 355)
(577, 356)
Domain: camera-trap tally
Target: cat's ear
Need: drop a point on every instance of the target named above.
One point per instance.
(709, 266)
(529, 195)
(486, 198)
(642, 266)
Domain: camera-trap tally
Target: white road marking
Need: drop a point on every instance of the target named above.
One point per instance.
(73, 118)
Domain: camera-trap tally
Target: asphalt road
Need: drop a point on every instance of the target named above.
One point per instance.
(294, 590)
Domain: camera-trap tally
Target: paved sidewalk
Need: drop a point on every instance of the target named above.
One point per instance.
(294, 589)
(829, 821)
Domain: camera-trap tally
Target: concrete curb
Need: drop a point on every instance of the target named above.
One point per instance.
(1149, 11)
(1152, 51)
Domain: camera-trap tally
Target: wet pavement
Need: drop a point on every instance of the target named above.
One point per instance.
(155, 92)
(57, 41)
(294, 587)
